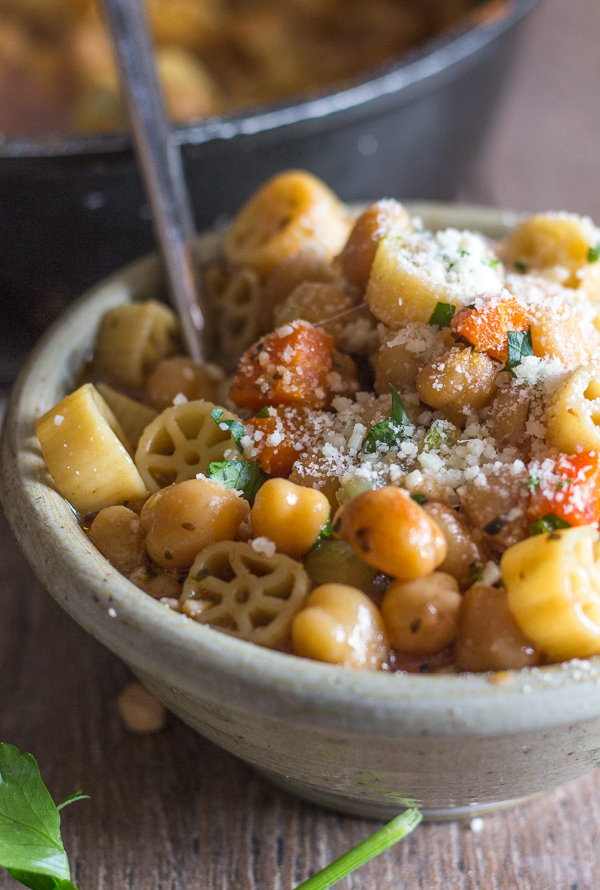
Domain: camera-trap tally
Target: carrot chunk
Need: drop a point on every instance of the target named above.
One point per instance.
(487, 325)
(570, 490)
(290, 366)
(279, 439)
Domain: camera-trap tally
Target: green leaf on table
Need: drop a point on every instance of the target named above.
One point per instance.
(519, 347)
(388, 432)
(31, 846)
(235, 427)
(79, 795)
(240, 475)
(442, 315)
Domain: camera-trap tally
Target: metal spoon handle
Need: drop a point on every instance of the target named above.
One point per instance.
(160, 162)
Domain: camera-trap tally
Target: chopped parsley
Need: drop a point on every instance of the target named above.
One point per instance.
(235, 427)
(563, 483)
(533, 483)
(593, 254)
(264, 412)
(441, 432)
(519, 346)
(548, 523)
(388, 432)
(239, 475)
(326, 532)
(476, 572)
(491, 262)
(419, 498)
(442, 315)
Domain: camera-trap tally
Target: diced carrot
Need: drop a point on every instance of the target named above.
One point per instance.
(487, 328)
(279, 438)
(290, 366)
(571, 491)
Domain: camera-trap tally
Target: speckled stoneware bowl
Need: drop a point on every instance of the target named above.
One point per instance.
(359, 742)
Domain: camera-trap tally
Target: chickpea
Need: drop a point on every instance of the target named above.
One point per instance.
(392, 533)
(340, 625)
(310, 264)
(488, 637)
(118, 535)
(506, 416)
(183, 518)
(290, 515)
(463, 552)
(420, 616)
(316, 302)
(180, 375)
(375, 222)
(158, 583)
(141, 711)
(458, 383)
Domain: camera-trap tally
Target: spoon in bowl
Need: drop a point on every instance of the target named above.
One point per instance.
(162, 169)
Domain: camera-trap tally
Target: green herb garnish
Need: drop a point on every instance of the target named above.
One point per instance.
(495, 526)
(491, 262)
(234, 426)
(264, 412)
(476, 572)
(442, 315)
(419, 498)
(593, 254)
(325, 533)
(31, 847)
(390, 431)
(563, 483)
(441, 432)
(390, 834)
(240, 475)
(548, 523)
(521, 267)
(533, 483)
(519, 347)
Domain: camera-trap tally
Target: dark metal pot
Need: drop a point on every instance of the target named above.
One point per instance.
(72, 210)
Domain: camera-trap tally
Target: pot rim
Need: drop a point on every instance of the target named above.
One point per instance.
(146, 634)
(391, 81)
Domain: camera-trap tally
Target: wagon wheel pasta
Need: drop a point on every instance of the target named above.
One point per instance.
(180, 443)
(412, 477)
(248, 594)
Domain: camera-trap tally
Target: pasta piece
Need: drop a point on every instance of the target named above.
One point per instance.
(290, 212)
(463, 554)
(380, 219)
(553, 587)
(82, 444)
(556, 333)
(132, 339)
(131, 414)
(551, 241)
(573, 418)
(180, 443)
(238, 316)
(411, 274)
(252, 596)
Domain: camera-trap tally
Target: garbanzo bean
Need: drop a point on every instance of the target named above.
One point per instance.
(289, 515)
(392, 533)
(489, 638)
(178, 375)
(463, 553)
(183, 518)
(457, 383)
(118, 535)
(420, 616)
(340, 625)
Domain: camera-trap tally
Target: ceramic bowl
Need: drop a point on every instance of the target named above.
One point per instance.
(359, 742)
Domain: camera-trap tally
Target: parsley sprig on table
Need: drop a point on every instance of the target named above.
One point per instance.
(32, 851)
(31, 847)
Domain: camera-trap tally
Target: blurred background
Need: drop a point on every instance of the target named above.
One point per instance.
(488, 102)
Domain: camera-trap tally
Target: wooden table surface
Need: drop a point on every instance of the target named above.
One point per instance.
(172, 811)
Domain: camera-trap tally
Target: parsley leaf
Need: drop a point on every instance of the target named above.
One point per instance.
(325, 533)
(240, 475)
(264, 412)
(235, 427)
(548, 523)
(390, 431)
(31, 847)
(442, 315)
(519, 346)
(491, 262)
(593, 254)
(419, 498)
(533, 482)
(441, 432)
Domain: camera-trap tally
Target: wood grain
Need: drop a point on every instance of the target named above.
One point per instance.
(173, 812)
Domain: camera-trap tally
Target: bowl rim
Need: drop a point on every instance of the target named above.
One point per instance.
(146, 634)
(415, 67)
